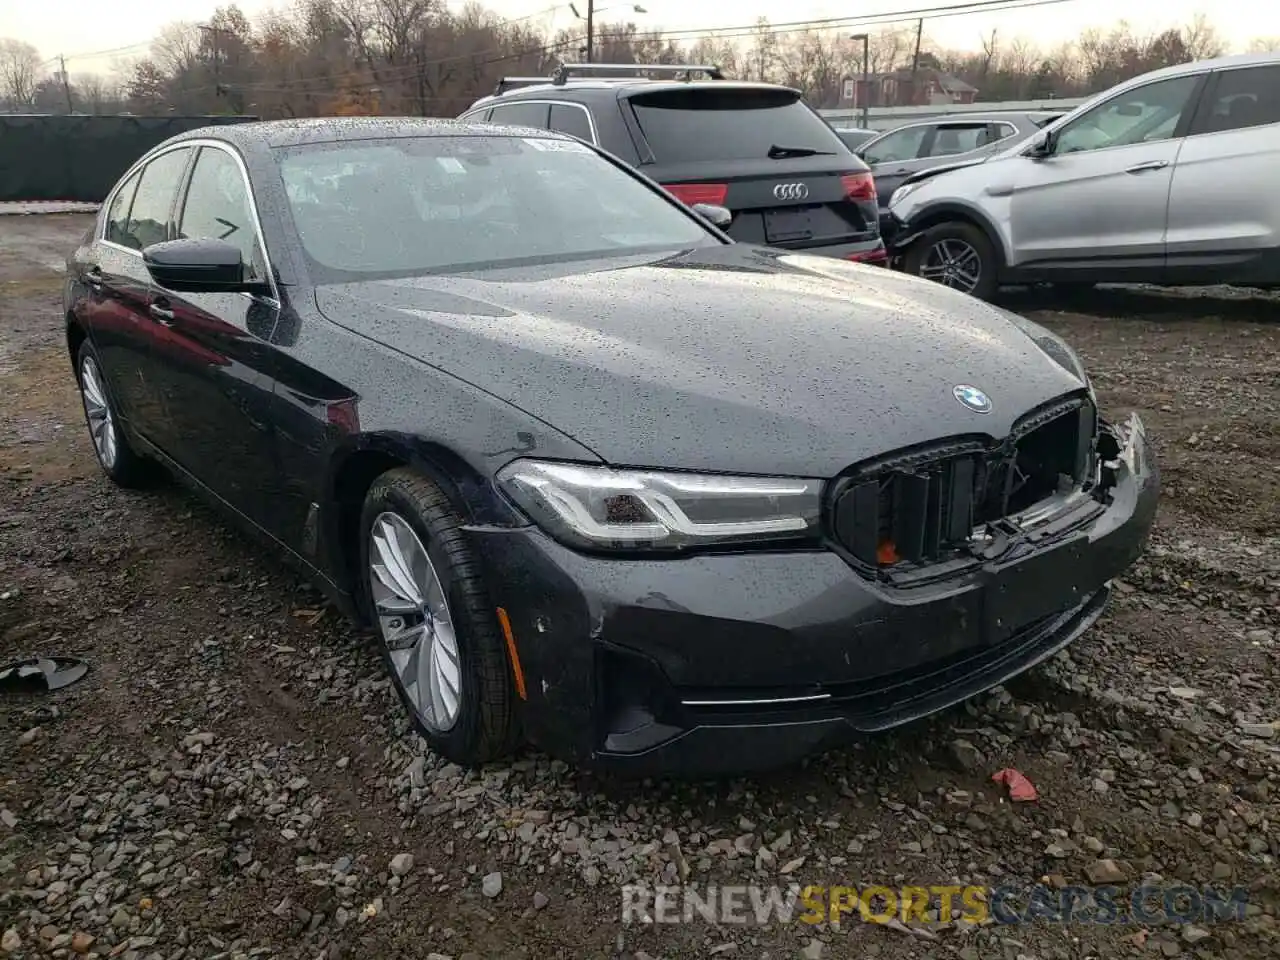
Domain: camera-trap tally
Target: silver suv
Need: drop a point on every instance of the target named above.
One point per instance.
(1167, 178)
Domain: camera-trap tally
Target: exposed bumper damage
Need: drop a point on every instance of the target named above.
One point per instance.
(729, 662)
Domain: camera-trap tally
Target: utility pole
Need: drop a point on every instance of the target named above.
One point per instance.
(915, 60)
(66, 83)
(591, 18)
(217, 57)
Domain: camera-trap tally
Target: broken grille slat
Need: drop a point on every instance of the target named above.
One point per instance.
(921, 504)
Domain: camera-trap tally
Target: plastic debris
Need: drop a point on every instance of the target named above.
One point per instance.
(1020, 788)
(41, 674)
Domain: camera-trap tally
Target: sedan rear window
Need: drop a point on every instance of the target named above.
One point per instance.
(727, 123)
(405, 206)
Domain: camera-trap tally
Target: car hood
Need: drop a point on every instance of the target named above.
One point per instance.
(732, 358)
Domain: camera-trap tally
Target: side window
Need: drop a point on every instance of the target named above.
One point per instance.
(149, 219)
(1142, 115)
(999, 131)
(953, 138)
(521, 114)
(217, 206)
(571, 119)
(1249, 97)
(116, 227)
(897, 146)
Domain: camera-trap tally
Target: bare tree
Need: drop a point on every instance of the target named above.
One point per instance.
(177, 48)
(19, 72)
(1265, 45)
(429, 57)
(94, 92)
(1201, 39)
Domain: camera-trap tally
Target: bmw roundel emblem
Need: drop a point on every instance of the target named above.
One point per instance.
(972, 397)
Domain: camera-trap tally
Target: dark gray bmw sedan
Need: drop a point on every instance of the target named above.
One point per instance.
(600, 478)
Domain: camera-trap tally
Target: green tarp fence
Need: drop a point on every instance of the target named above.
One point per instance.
(79, 157)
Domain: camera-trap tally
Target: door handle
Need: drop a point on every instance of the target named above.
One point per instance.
(1149, 165)
(162, 314)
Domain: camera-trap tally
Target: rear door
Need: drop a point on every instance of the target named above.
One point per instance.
(122, 324)
(788, 179)
(1223, 206)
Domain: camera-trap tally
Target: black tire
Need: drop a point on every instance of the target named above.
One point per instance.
(919, 253)
(487, 726)
(126, 467)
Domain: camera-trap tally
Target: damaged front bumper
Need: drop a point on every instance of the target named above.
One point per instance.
(723, 663)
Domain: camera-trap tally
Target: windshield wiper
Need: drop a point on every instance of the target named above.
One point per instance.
(781, 153)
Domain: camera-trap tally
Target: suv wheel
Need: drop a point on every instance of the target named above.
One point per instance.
(957, 255)
(440, 635)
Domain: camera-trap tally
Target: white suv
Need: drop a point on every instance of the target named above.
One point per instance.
(1168, 178)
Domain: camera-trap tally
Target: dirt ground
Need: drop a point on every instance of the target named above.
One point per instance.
(234, 778)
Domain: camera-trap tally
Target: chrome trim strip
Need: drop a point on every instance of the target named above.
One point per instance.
(811, 698)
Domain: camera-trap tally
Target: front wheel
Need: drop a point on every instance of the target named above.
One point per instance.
(440, 636)
(957, 255)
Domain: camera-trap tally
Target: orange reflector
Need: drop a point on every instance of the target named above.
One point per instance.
(887, 553)
(505, 622)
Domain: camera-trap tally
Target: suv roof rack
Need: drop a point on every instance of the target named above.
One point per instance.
(563, 72)
(510, 83)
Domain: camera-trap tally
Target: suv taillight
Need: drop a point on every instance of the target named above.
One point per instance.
(859, 186)
(691, 193)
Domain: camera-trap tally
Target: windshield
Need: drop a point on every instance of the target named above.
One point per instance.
(405, 206)
(711, 122)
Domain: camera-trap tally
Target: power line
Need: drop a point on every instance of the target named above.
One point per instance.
(301, 84)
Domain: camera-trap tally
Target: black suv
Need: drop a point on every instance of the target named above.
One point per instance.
(755, 149)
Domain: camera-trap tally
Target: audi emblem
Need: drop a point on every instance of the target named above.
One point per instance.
(790, 191)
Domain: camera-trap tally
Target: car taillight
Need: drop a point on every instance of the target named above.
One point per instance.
(691, 193)
(878, 256)
(859, 186)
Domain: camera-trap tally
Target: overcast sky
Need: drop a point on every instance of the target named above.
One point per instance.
(77, 27)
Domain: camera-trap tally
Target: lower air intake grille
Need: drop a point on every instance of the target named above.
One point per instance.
(920, 505)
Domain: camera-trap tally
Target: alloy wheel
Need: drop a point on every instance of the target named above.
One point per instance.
(953, 263)
(417, 627)
(97, 411)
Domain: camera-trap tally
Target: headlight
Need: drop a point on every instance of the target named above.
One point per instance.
(901, 193)
(602, 508)
(1062, 354)
(1057, 349)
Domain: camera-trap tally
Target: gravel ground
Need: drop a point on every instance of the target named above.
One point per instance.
(235, 778)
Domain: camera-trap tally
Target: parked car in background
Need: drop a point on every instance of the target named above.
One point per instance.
(1168, 178)
(854, 137)
(904, 151)
(599, 477)
(754, 149)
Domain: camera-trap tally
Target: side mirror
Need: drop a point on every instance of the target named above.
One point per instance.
(717, 215)
(1045, 146)
(198, 266)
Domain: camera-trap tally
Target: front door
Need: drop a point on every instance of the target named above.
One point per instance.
(1101, 200)
(214, 356)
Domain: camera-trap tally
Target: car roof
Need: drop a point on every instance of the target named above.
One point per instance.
(287, 133)
(1200, 66)
(620, 88)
